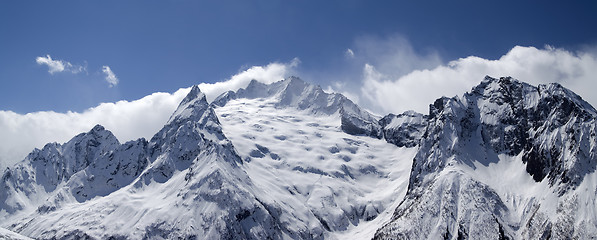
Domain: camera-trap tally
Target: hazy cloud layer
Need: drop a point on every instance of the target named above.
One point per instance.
(128, 120)
(55, 65)
(393, 55)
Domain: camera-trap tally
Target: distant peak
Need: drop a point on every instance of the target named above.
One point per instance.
(294, 78)
(98, 128)
(438, 106)
(488, 78)
(502, 81)
(98, 131)
(195, 93)
(254, 84)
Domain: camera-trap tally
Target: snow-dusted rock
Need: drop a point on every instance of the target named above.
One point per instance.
(404, 129)
(43, 171)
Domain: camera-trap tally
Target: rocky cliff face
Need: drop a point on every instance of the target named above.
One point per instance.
(43, 171)
(405, 129)
(547, 130)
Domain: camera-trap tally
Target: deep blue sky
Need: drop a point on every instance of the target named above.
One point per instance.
(165, 45)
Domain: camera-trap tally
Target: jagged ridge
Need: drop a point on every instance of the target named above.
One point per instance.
(189, 180)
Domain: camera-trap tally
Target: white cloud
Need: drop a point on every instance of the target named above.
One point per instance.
(59, 65)
(389, 76)
(110, 76)
(128, 120)
(417, 89)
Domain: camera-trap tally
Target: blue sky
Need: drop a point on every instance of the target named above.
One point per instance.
(68, 65)
(164, 45)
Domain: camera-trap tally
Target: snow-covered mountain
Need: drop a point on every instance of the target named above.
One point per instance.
(289, 161)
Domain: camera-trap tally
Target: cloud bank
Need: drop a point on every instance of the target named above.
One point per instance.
(419, 88)
(386, 75)
(128, 120)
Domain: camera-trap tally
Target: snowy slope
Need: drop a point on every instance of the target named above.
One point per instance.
(319, 146)
(296, 93)
(325, 176)
(10, 235)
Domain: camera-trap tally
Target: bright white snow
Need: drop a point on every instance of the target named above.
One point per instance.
(310, 164)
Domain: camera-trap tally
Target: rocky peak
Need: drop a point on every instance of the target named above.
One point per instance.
(255, 89)
(193, 106)
(224, 98)
(80, 151)
(512, 117)
(192, 129)
(438, 106)
(57, 162)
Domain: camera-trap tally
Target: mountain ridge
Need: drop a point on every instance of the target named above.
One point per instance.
(240, 162)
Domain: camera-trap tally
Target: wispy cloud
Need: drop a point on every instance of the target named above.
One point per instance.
(349, 53)
(55, 66)
(393, 55)
(110, 76)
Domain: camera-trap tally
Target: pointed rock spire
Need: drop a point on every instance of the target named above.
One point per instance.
(192, 106)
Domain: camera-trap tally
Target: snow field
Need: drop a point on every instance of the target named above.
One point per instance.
(309, 164)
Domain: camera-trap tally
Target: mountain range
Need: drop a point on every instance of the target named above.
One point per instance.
(287, 160)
